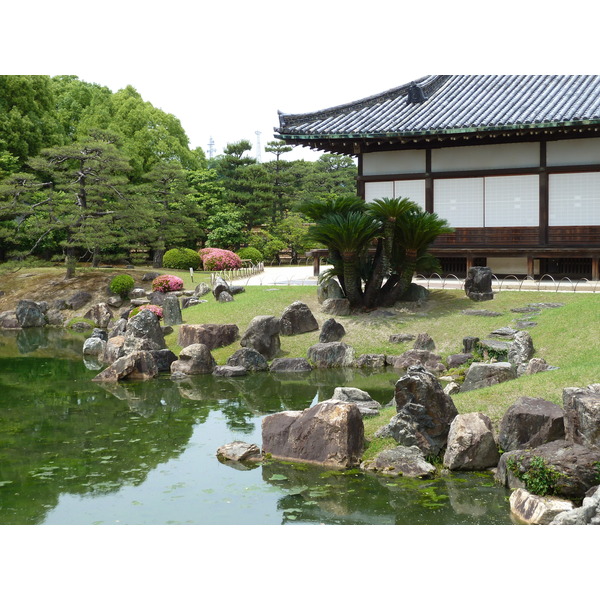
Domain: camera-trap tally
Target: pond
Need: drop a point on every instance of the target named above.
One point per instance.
(76, 452)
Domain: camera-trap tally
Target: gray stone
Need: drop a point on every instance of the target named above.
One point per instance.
(400, 338)
(60, 304)
(137, 293)
(100, 333)
(329, 289)
(482, 375)
(424, 342)
(113, 349)
(536, 510)
(94, 346)
(202, 289)
(471, 444)
(145, 325)
(336, 306)
(424, 412)
(297, 318)
(362, 399)
(537, 365)
(495, 348)
(210, 334)
(415, 293)
(407, 461)
(220, 286)
(115, 301)
(239, 452)
(504, 333)
(474, 312)
(225, 297)
(263, 335)
(248, 358)
(329, 433)
(100, 314)
(587, 514)
(8, 320)
(29, 314)
(331, 355)
(172, 311)
(452, 388)
(521, 350)
(478, 284)
(575, 464)
(229, 371)
(140, 302)
(55, 318)
(156, 298)
(236, 289)
(118, 328)
(150, 276)
(370, 361)
(530, 422)
(78, 300)
(457, 360)
(195, 359)
(429, 360)
(164, 358)
(582, 415)
(331, 331)
(137, 365)
(287, 365)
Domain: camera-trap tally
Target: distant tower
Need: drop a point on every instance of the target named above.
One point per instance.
(211, 147)
(257, 145)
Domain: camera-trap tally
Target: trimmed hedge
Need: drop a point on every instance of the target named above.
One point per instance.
(181, 258)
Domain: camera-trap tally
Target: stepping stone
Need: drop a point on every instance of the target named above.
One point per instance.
(525, 324)
(481, 313)
(506, 333)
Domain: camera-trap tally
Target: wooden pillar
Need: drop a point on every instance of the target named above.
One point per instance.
(470, 262)
(316, 264)
(596, 267)
(530, 267)
(428, 182)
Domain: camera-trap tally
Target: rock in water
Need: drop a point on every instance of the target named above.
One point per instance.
(248, 358)
(194, 360)
(29, 314)
(331, 355)
(330, 433)
(471, 444)
(209, 334)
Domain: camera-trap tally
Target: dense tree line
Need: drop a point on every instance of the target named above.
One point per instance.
(91, 175)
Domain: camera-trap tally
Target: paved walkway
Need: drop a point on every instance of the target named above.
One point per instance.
(303, 275)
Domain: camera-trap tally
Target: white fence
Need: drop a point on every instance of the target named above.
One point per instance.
(231, 274)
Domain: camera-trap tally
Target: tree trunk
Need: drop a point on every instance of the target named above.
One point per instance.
(352, 280)
(70, 263)
(157, 258)
(96, 258)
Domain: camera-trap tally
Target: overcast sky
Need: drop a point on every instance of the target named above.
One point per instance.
(225, 68)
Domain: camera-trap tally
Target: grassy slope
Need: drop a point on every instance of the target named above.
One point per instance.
(566, 337)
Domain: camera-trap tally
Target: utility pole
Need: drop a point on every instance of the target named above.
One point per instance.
(211, 147)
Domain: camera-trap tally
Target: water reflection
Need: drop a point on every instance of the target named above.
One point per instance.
(65, 437)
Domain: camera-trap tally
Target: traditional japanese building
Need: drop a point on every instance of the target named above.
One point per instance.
(512, 162)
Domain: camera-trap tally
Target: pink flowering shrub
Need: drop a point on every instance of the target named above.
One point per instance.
(167, 283)
(157, 310)
(216, 259)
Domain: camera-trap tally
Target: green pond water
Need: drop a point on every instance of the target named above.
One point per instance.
(76, 452)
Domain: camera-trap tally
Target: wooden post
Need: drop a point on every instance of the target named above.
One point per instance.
(596, 267)
(316, 264)
(470, 262)
(530, 269)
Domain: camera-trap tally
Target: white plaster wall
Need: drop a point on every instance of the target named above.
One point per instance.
(573, 152)
(574, 199)
(394, 162)
(496, 156)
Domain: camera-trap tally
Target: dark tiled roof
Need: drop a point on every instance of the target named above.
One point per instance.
(455, 103)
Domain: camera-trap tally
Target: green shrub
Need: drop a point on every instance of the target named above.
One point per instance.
(539, 478)
(250, 253)
(181, 258)
(122, 285)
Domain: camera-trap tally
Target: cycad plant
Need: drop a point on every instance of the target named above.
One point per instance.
(375, 248)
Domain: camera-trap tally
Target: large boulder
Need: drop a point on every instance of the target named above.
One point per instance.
(290, 365)
(164, 358)
(471, 443)
(100, 314)
(172, 311)
(145, 326)
(229, 371)
(587, 514)
(195, 359)
(370, 361)
(220, 286)
(331, 331)
(331, 355)
(329, 289)
(424, 412)
(531, 422)
(263, 335)
(137, 365)
(30, 314)
(211, 335)
(428, 360)
(239, 452)
(113, 349)
(8, 320)
(362, 399)
(407, 461)
(574, 465)
(201, 289)
(78, 300)
(478, 284)
(482, 375)
(94, 346)
(582, 415)
(297, 318)
(248, 358)
(521, 350)
(536, 510)
(424, 342)
(336, 306)
(330, 433)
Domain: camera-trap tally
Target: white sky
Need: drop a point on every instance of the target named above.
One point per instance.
(224, 68)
